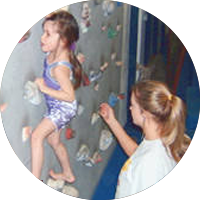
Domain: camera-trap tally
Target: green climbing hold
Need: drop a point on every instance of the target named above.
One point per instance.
(111, 33)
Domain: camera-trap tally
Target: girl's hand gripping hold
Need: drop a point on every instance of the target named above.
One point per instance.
(40, 83)
(107, 113)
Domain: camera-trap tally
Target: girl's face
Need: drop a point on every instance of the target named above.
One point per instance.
(50, 40)
(136, 112)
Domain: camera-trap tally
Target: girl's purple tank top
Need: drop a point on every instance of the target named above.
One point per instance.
(50, 82)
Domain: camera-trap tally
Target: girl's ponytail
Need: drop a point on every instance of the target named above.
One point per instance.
(77, 70)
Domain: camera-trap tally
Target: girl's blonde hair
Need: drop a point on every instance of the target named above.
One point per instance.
(186, 154)
(168, 110)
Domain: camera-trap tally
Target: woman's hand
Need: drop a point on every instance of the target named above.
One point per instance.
(40, 83)
(107, 113)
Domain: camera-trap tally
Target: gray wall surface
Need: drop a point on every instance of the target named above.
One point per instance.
(26, 63)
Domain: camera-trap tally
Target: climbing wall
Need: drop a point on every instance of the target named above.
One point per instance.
(101, 50)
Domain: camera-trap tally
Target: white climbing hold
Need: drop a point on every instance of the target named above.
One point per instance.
(85, 18)
(118, 27)
(94, 118)
(108, 7)
(55, 184)
(32, 93)
(83, 153)
(71, 191)
(26, 133)
(106, 139)
(113, 56)
(80, 109)
(96, 87)
(95, 76)
(104, 66)
(81, 58)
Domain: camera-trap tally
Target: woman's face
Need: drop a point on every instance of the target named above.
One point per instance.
(136, 112)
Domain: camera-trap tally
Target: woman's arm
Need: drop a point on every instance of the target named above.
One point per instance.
(62, 75)
(127, 143)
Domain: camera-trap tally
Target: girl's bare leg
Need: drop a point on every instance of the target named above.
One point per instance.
(61, 153)
(45, 128)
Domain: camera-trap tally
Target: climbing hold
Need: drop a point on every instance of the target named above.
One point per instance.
(118, 27)
(94, 118)
(119, 4)
(86, 80)
(55, 184)
(71, 191)
(69, 134)
(112, 100)
(80, 109)
(32, 93)
(85, 18)
(96, 158)
(89, 163)
(103, 27)
(63, 4)
(95, 76)
(3, 107)
(104, 66)
(81, 58)
(112, 33)
(6, 3)
(106, 139)
(121, 96)
(83, 153)
(119, 63)
(96, 87)
(22, 29)
(26, 133)
(108, 7)
(113, 56)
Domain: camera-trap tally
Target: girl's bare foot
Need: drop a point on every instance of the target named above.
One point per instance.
(29, 194)
(62, 176)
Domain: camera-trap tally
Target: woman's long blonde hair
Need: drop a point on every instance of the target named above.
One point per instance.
(169, 112)
(186, 155)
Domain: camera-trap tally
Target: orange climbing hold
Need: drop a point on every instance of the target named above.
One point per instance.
(3, 107)
(69, 134)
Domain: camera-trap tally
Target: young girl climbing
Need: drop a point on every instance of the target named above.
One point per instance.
(186, 170)
(161, 115)
(61, 76)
